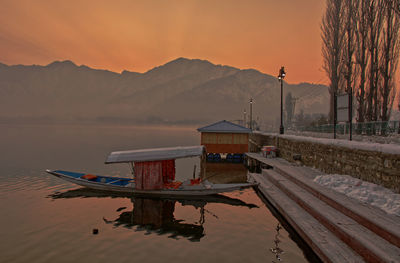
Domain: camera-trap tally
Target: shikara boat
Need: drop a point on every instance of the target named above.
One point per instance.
(153, 174)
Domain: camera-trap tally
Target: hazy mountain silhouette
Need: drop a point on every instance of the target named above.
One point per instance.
(181, 91)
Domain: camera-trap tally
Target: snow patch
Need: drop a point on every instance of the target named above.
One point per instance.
(367, 146)
(363, 191)
(389, 148)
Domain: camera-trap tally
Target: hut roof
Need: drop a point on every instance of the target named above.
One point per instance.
(224, 127)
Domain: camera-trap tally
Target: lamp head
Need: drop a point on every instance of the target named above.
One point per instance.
(282, 73)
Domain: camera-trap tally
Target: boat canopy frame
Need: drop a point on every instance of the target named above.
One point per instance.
(155, 154)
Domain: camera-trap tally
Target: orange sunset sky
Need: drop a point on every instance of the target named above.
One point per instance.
(139, 35)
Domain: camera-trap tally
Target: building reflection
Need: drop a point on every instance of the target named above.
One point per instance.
(222, 173)
(156, 215)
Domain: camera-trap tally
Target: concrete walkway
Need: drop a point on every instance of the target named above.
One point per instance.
(336, 227)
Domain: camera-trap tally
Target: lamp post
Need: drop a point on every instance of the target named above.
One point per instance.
(251, 114)
(281, 76)
(244, 118)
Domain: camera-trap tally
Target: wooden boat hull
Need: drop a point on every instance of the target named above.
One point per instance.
(196, 190)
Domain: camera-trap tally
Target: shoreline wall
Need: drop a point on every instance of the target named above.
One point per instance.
(373, 166)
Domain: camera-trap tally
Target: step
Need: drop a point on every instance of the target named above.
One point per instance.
(325, 244)
(385, 225)
(366, 243)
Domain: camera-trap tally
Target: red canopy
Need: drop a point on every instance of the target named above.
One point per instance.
(153, 175)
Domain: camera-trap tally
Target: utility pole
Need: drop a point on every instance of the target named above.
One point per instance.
(351, 111)
(281, 76)
(251, 114)
(244, 118)
(334, 114)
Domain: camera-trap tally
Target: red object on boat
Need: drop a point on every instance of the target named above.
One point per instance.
(195, 181)
(89, 176)
(168, 167)
(152, 175)
(172, 185)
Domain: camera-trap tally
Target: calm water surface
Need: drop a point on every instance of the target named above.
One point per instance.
(44, 219)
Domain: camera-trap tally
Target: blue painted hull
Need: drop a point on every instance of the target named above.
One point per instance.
(126, 185)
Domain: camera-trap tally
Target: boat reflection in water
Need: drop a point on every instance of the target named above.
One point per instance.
(156, 215)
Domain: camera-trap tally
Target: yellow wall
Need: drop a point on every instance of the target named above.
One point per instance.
(225, 142)
(224, 138)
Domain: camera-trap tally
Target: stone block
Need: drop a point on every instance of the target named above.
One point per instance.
(386, 178)
(387, 163)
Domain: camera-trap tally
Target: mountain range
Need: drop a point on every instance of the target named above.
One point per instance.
(186, 91)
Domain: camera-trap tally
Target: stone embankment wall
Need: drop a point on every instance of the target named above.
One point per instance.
(373, 166)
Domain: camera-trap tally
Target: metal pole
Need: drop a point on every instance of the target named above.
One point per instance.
(351, 111)
(334, 115)
(281, 76)
(281, 129)
(132, 170)
(251, 114)
(244, 118)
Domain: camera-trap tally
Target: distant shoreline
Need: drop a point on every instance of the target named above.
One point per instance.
(99, 121)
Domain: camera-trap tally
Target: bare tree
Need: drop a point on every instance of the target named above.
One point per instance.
(332, 49)
(398, 107)
(390, 59)
(350, 17)
(361, 49)
(396, 6)
(362, 57)
(375, 19)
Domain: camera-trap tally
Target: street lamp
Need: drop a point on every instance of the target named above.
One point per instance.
(281, 76)
(244, 118)
(251, 114)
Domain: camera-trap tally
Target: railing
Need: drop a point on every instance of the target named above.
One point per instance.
(362, 128)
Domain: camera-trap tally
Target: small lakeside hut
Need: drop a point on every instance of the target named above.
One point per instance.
(225, 137)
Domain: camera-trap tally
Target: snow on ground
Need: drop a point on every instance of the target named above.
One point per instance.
(363, 191)
(390, 148)
(389, 139)
(367, 146)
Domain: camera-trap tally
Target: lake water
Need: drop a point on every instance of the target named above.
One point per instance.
(45, 219)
